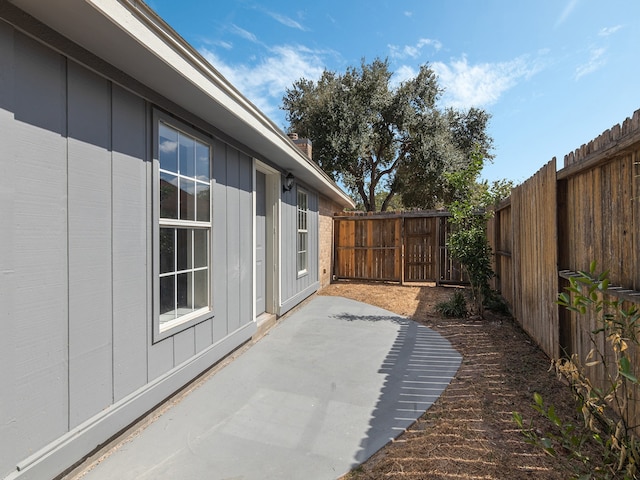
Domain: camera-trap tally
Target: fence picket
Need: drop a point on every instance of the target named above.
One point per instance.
(561, 221)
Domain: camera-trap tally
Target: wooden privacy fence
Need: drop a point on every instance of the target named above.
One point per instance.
(402, 247)
(558, 222)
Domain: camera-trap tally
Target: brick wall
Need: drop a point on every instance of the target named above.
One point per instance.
(327, 209)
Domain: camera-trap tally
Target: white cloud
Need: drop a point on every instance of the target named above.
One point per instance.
(413, 51)
(241, 32)
(480, 85)
(286, 21)
(408, 14)
(168, 146)
(225, 45)
(402, 74)
(264, 83)
(571, 5)
(605, 32)
(596, 60)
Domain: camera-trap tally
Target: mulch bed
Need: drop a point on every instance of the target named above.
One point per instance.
(469, 432)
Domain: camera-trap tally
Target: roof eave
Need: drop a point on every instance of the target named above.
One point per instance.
(147, 49)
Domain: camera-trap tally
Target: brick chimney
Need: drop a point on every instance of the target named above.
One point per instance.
(304, 144)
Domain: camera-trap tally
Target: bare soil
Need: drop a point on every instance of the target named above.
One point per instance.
(469, 432)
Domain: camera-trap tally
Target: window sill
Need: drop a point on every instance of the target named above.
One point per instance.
(162, 332)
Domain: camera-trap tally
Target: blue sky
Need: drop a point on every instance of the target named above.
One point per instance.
(553, 74)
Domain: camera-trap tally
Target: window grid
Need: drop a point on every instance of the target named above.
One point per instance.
(302, 237)
(197, 291)
(184, 226)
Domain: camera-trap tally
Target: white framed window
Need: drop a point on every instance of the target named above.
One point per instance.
(182, 176)
(303, 233)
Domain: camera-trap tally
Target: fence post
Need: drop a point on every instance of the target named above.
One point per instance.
(402, 241)
(438, 252)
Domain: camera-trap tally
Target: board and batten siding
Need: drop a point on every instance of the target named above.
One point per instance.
(232, 263)
(294, 287)
(33, 248)
(76, 261)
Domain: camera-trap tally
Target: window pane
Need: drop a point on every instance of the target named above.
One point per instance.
(183, 293)
(184, 190)
(302, 251)
(302, 261)
(187, 200)
(203, 202)
(167, 298)
(168, 148)
(199, 248)
(167, 250)
(184, 249)
(201, 289)
(187, 156)
(168, 196)
(202, 162)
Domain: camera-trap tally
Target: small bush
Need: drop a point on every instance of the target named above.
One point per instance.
(496, 303)
(456, 307)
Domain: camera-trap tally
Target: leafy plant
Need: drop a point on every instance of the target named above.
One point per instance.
(455, 307)
(565, 438)
(467, 243)
(605, 405)
(496, 303)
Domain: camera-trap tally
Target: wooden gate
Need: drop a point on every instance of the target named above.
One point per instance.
(368, 248)
(450, 270)
(408, 247)
(421, 249)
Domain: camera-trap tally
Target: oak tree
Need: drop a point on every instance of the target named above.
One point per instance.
(380, 138)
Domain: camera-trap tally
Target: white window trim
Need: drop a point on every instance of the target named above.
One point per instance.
(304, 271)
(168, 329)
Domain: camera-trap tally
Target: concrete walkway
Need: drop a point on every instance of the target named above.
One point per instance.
(324, 390)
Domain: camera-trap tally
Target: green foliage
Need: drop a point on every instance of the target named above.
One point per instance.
(497, 190)
(376, 137)
(493, 301)
(455, 307)
(564, 441)
(394, 203)
(467, 242)
(605, 407)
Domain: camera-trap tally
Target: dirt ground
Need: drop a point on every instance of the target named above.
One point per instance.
(469, 432)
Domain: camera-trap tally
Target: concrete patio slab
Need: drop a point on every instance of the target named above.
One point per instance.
(325, 389)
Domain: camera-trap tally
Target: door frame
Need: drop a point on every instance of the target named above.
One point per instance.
(272, 237)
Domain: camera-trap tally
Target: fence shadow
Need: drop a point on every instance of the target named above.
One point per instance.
(417, 369)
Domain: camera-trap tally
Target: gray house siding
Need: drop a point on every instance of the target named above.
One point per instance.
(294, 287)
(33, 191)
(76, 261)
(81, 349)
(232, 231)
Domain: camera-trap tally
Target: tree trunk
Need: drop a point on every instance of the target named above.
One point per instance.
(372, 197)
(387, 201)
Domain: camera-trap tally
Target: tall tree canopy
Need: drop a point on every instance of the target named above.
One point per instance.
(379, 138)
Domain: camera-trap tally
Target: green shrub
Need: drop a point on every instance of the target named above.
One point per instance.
(494, 302)
(455, 307)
